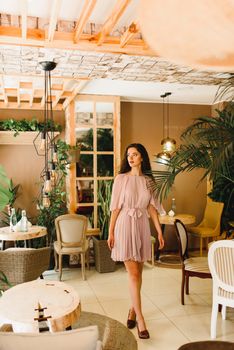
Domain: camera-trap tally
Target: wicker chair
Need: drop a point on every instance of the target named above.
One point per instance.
(24, 264)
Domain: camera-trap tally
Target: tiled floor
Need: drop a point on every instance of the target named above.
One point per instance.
(170, 324)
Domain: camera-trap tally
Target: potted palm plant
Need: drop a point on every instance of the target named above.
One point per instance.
(207, 144)
(103, 261)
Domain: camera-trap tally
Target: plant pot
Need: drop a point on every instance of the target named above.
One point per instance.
(102, 256)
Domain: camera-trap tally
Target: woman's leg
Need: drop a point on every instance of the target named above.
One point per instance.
(134, 270)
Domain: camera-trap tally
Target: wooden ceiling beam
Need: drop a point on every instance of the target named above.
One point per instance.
(75, 92)
(84, 16)
(57, 87)
(31, 98)
(25, 105)
(58, 96)
(24, 10)
(129, 33)
(64, 40)
(25, 85)
(18, 94)
(3, 92)
(54, 19)
(109, 24)
(11, 91)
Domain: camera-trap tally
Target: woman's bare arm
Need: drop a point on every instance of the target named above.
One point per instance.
(154, 216)
(113, 218)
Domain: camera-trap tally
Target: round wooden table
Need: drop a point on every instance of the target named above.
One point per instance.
(59, 302)
(33, 232)
(186, 219)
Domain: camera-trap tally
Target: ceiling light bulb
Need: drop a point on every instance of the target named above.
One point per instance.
(169, 145)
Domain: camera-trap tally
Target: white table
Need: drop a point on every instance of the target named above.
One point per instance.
(18, 304)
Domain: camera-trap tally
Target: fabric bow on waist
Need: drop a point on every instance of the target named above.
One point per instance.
(135, 212)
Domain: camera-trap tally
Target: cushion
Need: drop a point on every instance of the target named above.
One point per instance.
(78, 339)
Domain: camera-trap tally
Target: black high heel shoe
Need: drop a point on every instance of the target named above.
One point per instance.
(143, 334)
(131, 323)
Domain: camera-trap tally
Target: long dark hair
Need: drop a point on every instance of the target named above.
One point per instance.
(145, 165)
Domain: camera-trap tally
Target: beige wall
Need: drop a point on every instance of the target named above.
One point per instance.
(142, 122)
(21, 162)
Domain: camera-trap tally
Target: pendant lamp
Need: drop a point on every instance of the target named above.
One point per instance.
(168, 144)
(44, 142)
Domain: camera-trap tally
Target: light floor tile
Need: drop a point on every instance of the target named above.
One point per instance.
(159, 285)
(111, 291)
(163, 336)
(92, 307)
(197, 327)
(118, 309)
(170, 304)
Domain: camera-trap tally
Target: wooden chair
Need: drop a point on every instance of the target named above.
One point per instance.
(71, 239)
(221, 264)
(191, 267)
(24, 264)
(210, 224)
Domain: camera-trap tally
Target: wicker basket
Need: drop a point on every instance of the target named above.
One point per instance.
(102, 255)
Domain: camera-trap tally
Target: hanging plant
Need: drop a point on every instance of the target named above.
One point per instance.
(27, 125)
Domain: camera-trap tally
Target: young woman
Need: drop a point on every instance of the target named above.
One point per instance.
(132, 203)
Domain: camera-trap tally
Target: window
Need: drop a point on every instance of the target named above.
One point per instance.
(95, 125)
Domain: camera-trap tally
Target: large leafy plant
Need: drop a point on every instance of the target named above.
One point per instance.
(104, 198)
(7, 190)
(207, 144)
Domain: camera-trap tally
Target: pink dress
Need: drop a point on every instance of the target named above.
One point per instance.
(132, 229)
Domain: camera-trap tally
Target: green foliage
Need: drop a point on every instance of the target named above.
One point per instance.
(225, 91)
(6, 193)
(27, 125)
(208, 144)
(3, 282)
(57, 197)
(104, 198)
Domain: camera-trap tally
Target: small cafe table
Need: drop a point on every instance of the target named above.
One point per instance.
(59, 302)
(33, 232)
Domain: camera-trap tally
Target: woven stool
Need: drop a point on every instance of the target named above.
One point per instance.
(112, 333)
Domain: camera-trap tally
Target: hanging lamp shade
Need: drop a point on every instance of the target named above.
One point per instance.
(168, 145)
(163, 158)
(197, 33)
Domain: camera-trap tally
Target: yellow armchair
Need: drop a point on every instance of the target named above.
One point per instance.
(210, 224)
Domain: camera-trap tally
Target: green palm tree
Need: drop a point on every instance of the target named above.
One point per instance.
(207, 144)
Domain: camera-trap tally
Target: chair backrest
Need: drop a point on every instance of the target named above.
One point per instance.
(221, 264)
(71, 230)
(212, 215)
(24, 264)
(182, 237)
(77, 339)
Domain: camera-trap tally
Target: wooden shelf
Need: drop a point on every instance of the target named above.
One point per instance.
(23, 138)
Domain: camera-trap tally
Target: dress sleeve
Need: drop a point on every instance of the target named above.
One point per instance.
(117, 193)
(154, 200)
(156, 204)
